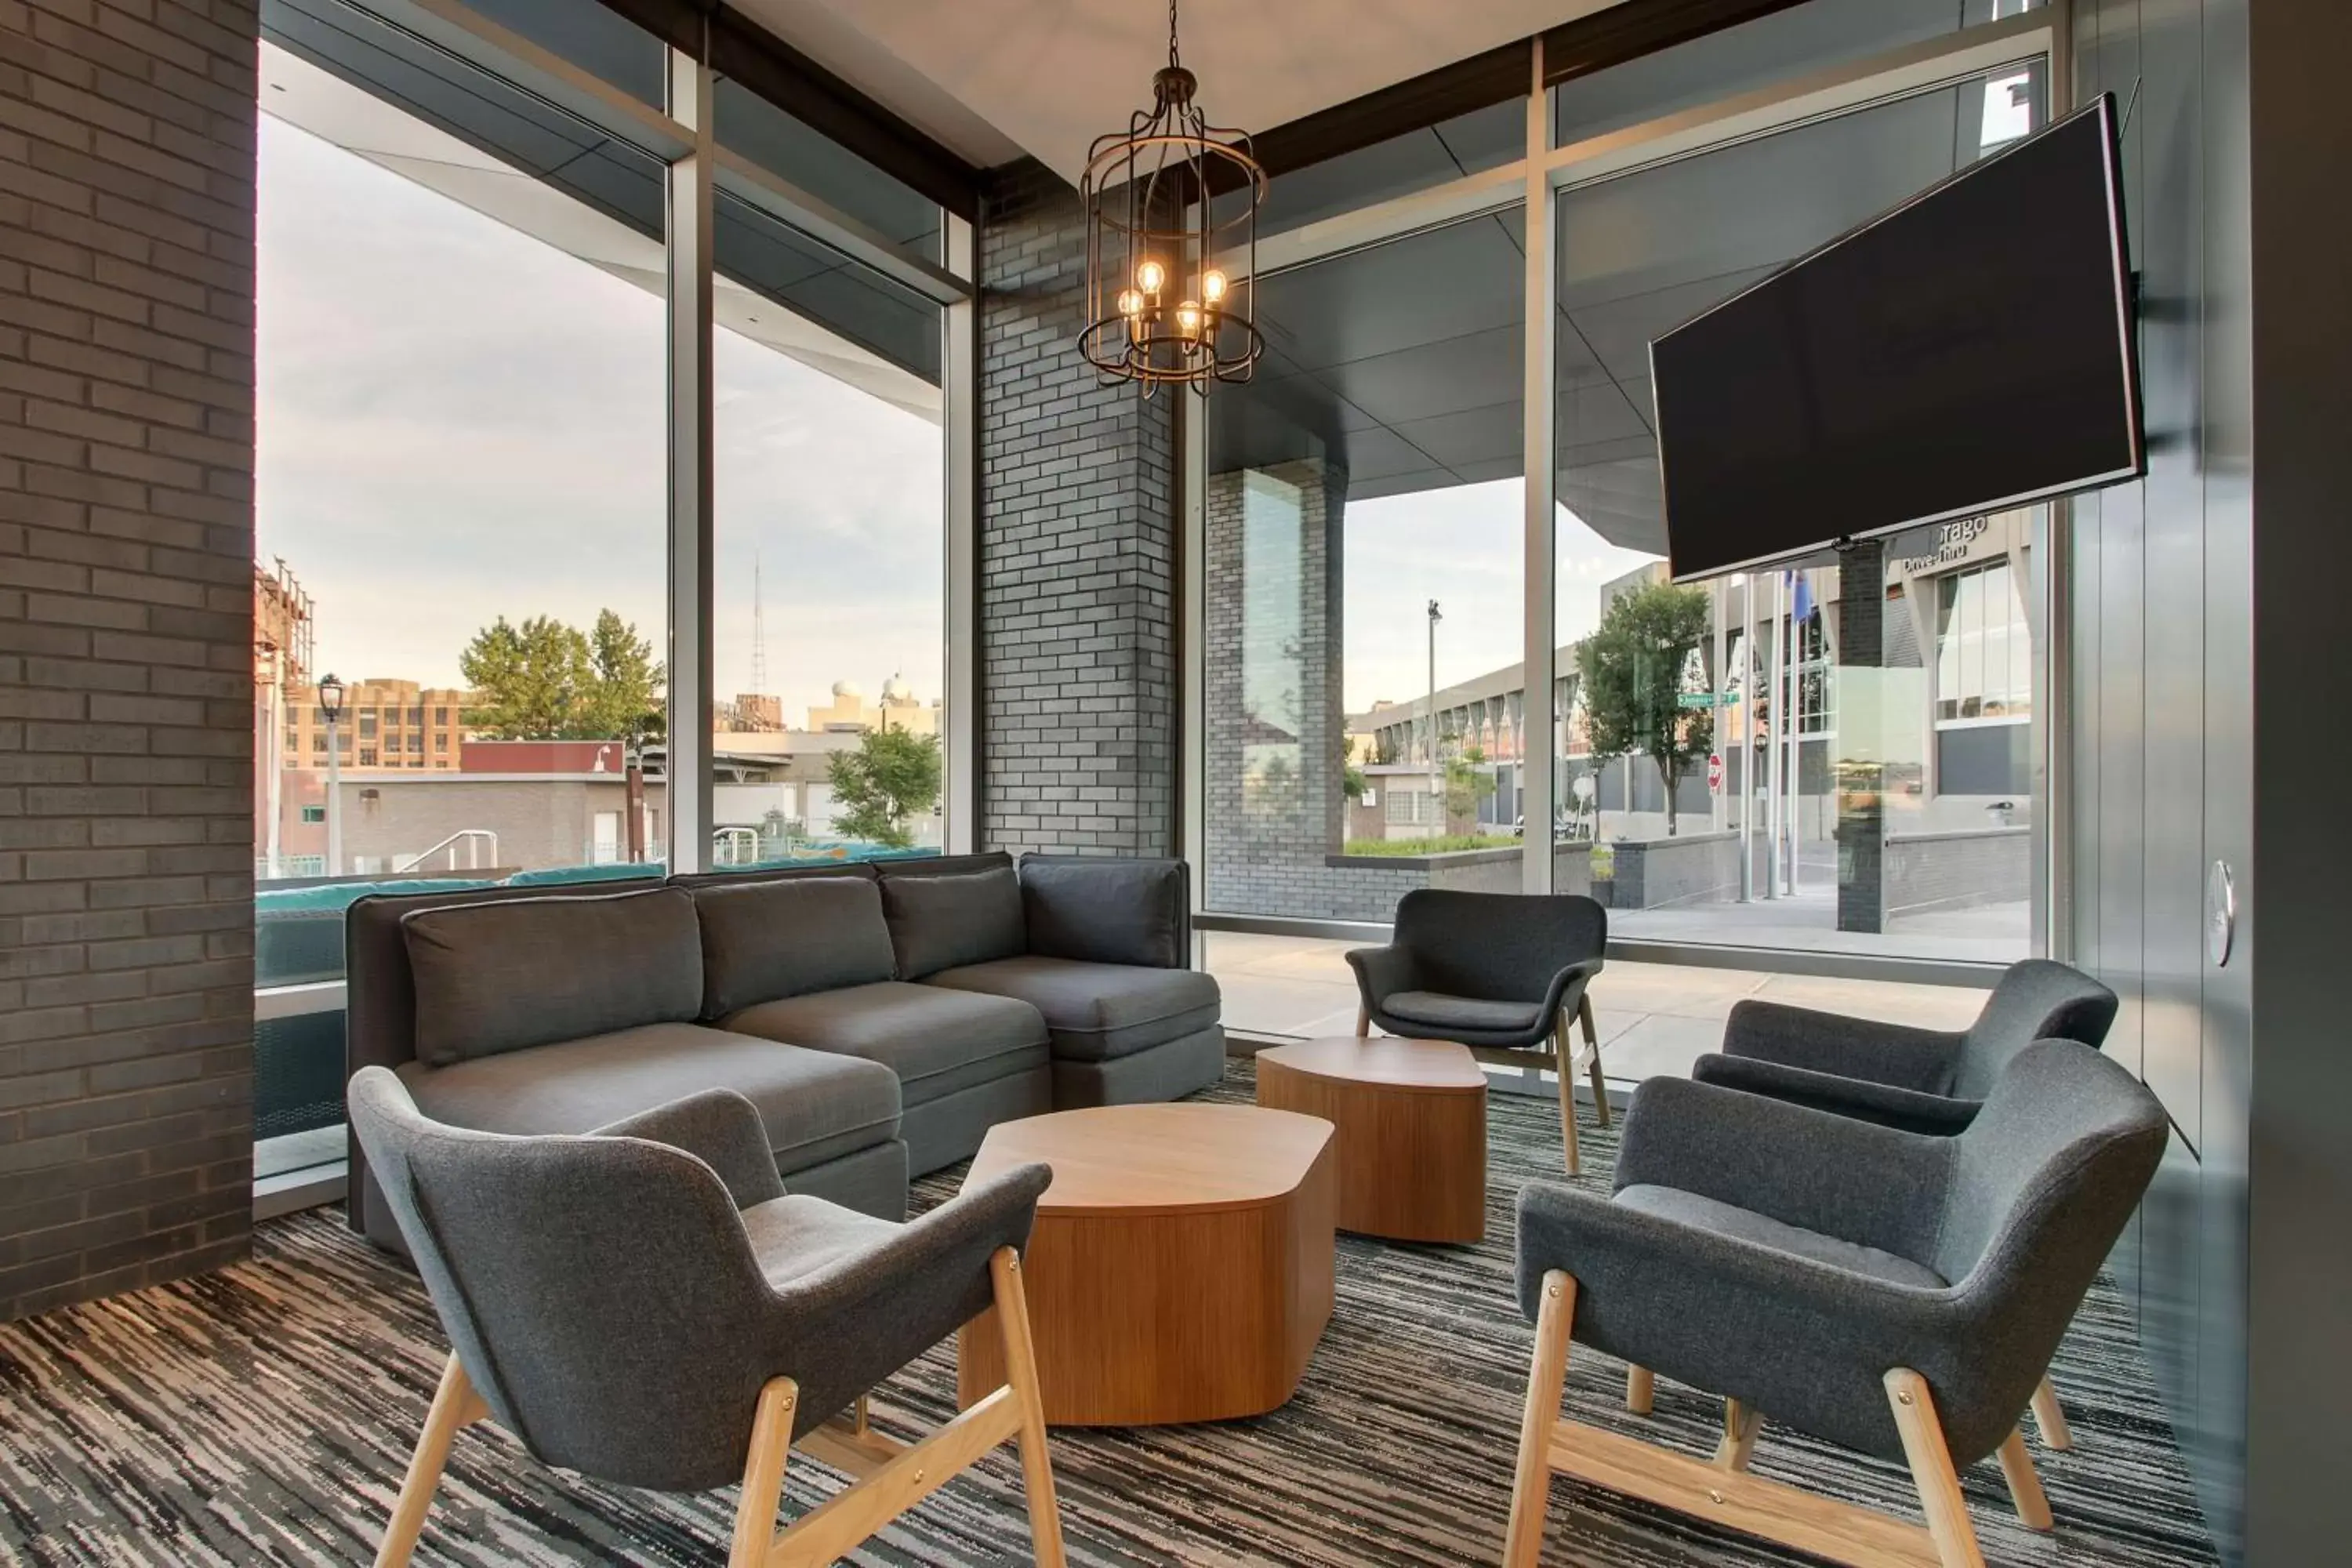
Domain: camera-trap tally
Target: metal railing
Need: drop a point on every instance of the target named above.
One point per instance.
(473, 838)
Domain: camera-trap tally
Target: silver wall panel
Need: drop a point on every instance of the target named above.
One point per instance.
(2164, 705)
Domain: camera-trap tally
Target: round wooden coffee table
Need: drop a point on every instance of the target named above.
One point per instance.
(1180, 1268)
(1411, 1119)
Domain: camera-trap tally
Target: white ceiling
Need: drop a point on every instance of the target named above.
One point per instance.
(993, 79)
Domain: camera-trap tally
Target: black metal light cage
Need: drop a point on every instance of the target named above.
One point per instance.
(1147, 204)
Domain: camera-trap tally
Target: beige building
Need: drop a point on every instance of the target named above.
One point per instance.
(385, 724)
(898, 709)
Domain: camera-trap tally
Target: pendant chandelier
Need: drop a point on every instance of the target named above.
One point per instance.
(1160, 307)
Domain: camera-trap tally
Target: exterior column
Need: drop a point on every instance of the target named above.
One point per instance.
(1859, 775)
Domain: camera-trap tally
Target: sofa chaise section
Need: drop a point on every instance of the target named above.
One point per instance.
(564, 1011)
(1097, 946)
(809, 961)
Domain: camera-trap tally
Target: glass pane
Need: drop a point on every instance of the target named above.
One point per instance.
(1790, 43)
(1483, 139)
(1364, 512)
(830, 632)
(1857, 779)
(829, 299)
(460, 506)
(340, 72)
(748, 124)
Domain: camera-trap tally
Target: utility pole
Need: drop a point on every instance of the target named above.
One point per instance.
(1436, 794)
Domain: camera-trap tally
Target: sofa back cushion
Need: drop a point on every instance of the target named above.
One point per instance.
(964, 917)
(765, 941)
(1099, 910)
(517, 973)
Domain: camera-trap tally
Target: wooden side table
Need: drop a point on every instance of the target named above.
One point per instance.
(1411, 1139)
(1182, 1266)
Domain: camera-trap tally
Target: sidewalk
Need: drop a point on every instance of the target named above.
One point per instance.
(1652, 1019)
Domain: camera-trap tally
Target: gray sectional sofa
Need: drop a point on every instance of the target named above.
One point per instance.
(881, 1018)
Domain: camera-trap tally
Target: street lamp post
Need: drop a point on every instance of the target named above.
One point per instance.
(1437, 795)
(331, 704)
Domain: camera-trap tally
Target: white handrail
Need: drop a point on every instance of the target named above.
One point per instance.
(472, 837)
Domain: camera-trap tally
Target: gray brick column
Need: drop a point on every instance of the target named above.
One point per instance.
(1076, 558)
(126, 658)
(1276, 728)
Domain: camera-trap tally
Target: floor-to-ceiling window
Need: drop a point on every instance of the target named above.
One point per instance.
(1720, 750)
(1363, 511)
(1835, 756)
(469, 418)
(459, 517)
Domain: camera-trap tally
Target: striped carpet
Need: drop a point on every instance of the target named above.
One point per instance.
(264, 1414)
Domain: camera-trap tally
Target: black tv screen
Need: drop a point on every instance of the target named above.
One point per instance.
(1969, 351)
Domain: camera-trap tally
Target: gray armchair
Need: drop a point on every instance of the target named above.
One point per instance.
(647, 1305)
(1896, 1293)
(1920, 1080)
(1500, 973)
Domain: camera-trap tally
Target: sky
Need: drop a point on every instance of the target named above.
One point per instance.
(459, 422)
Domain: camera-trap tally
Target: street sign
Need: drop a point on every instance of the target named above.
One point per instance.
(1715, 772)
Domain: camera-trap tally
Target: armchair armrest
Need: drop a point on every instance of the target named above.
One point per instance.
(1894, 1054)
(719, 1128)
(1566, 989)
(1108, 910)
(1826, 1172)
(1380, 973)
(1905, 1108)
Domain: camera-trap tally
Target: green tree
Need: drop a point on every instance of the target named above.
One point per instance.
(1632, 671)
(890, 777)
(547, 681)
(1466, 786)
(626, 681)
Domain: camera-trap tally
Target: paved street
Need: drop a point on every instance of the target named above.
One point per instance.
(1652, 1019)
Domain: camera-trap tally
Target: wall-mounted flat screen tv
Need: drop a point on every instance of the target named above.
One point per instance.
(1967, 352)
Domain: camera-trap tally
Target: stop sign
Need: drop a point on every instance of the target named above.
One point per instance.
(1715, 772)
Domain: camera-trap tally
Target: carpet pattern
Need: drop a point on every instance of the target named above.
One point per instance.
(265, 1414)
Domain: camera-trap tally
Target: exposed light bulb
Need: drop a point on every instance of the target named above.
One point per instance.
(1150, 276)
(1130, 303)
(1213, 286)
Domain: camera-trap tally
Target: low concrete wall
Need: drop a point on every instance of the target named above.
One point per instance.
(1661, 873)
(1928, 871)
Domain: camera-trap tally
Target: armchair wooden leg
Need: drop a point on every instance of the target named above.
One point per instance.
(1531, 1483)
(455, 1406)
(1739, 1424)
(1020, 1372)
(1592, 1059)
(1931, 1469)
(1640, 1390)
(2024, 1486)
(2049, 1419)
(763, 1473)
(1567, 1075)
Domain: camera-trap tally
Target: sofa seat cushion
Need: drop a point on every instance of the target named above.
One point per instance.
(936, 1041)
(816, 1106)
(1439, 1011)
(1763, 1230)
(1097, 1011)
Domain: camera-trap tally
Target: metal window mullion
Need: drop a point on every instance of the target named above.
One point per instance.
(1538, 610)
(960, 385)
(690, 189)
